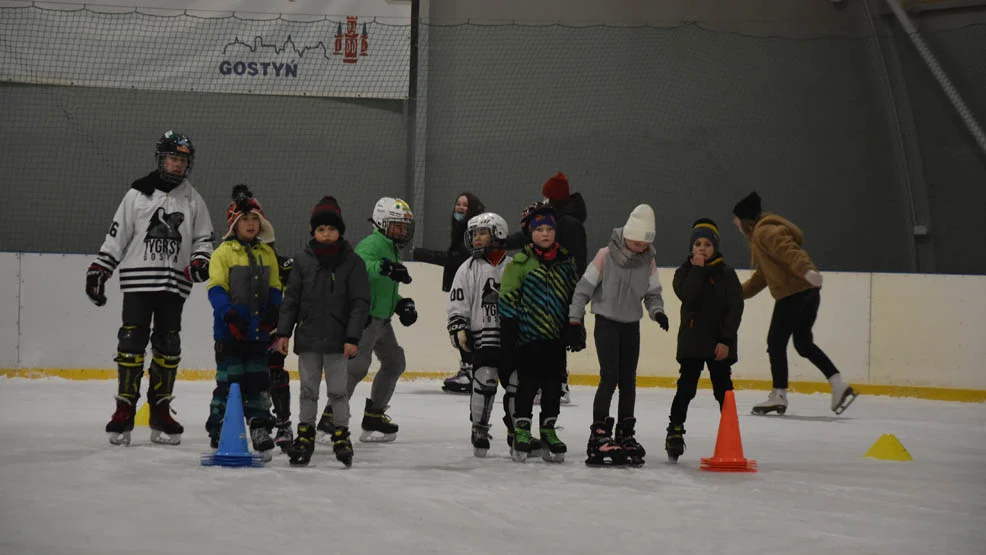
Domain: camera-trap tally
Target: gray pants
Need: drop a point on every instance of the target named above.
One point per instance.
(310, 366)
(378, 338)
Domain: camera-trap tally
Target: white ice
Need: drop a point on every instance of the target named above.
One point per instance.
(65, 489)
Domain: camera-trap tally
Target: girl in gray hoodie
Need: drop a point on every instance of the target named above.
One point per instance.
(621, 276)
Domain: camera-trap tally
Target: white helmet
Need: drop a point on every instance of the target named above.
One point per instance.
(393, 217)
(487, 220)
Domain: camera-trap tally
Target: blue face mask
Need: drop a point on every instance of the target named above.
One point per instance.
(458, 216)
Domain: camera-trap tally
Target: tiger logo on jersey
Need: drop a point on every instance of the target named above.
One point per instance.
(163, 240)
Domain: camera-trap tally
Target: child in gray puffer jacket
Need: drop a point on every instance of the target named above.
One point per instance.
(621, 275)
(326, 305)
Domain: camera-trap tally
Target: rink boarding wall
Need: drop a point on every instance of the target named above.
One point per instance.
(916, 335)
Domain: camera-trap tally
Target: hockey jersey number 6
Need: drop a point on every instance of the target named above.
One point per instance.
(154, 237)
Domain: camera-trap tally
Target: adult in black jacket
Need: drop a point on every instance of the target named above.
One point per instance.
(711, 310)
(466, 206)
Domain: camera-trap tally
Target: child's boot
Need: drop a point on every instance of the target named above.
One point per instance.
(377, 426)
(776, 402)
(625, 437)
(674, 444)
(480, 440)
(522, 440)
(552, 448)
(323, 432)
(842, 394)
(300, 452)
(601, 449)
(342, 446)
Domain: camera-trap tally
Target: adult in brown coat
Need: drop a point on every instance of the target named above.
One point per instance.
(784, 267)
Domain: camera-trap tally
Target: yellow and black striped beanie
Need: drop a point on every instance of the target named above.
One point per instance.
(704, 227)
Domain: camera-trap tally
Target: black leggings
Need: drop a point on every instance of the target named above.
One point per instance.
(540, 365)
(618, 349)
(721, 374)
(795, 315)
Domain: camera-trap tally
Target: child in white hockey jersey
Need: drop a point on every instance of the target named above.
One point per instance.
(621, 276)
(161, 239)
(474, 323)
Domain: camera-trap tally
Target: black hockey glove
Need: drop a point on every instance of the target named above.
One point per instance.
(268, 322)
(662, 320)
(406, 312)
(284, 266)
(395, 271)
(575, 337)
(459, 333)
(237, 324)
(96, 278)
(197, 271)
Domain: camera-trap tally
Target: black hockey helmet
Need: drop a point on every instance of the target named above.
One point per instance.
(178, 144)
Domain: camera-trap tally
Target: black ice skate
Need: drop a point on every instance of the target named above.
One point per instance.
(625, 437)
(260, 437)
(284, 437)
(300, 452)
(342, 446)
(122, 422)
(326, 423)
(377, 426)
(535, 444)
(480, 440)
(164, 429)
(461, 382)
(674, 444)
(601, 449)
(553, 449)
(522, 440)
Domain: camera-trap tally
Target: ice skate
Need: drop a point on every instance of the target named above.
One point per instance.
(842, 394)
(300, 452)
(342, 446)
(535, 444)
(566, 396)
(776, 402)
(164, 429)
(323, 432)
(553, 449)
(260, 437)
(377, 426)
(461, 382)
(122, 422)
(284, 436)
(601, 449)
(480, 440)
(674, 444)
(633, 450)
(521, 447)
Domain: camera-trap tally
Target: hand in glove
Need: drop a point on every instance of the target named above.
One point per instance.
(197, 271)
(575, 337)
(96, 278)
(814, 278)
(662, 320)
(458, 330)
(406, 312)
(395, 271)
(237, 324)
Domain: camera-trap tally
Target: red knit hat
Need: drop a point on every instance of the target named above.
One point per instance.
(244, 202)
(327, 212)
(556, 188)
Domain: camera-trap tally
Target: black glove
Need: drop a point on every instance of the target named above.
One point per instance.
(406, 312)
(96, 278)
(662, 320)
(236, 323)
(284, 266)
(197, 271)
(395, 271)
(268, 322)
(575, 337)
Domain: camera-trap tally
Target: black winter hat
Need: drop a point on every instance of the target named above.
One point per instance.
(704, 227)
(749, 208)
(327, 212)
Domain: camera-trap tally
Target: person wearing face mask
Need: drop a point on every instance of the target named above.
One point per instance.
(467, 206)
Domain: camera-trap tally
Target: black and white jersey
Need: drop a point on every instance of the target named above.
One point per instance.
(154, 237)
(473, 298)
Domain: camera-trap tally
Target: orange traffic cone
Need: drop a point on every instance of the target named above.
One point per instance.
(729, 448)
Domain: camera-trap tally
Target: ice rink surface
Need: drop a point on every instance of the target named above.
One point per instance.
(65, 490)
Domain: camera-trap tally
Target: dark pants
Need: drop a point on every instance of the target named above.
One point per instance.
(139, 311)
(243, 362)
(795, 315)
(691, 369)
(540, 365)
(466, 357)
(280, 387)
(618, 349)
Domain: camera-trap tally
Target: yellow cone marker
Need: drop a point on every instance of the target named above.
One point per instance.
(888, 448)
(143, 416)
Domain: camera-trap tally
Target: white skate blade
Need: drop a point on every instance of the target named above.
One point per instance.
(518, 456)
(779, 409)
(550, 457)
(122, 438)
(376, 437)
(157, 436)
(479, 452)
(848, 396)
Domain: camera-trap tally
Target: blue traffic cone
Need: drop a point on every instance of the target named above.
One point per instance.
(233, 450)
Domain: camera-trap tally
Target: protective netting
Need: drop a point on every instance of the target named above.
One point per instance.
(681, 116)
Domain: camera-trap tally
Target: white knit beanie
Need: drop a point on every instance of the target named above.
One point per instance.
(640, 225)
